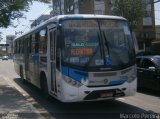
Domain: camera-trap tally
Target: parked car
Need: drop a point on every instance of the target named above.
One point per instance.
(4, 57)
(148, 72)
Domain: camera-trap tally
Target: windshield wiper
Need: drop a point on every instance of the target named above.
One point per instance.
(97, 49)
(100, 45)
(106, 43)
(108, 61)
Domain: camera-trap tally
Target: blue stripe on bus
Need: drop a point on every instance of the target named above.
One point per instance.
(116, 82)
(79, 75)
(74, 74)
(64, 71)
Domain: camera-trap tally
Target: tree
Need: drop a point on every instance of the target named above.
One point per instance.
(14, 9)
(132, 10)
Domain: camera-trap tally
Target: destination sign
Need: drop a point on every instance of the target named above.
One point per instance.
(91, 24)
(81, 51)
(86, 23)
(84, 44)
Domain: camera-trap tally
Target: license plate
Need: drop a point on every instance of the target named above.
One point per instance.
(104, 95)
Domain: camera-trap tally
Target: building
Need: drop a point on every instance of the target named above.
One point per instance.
(145, 31)
(156, 43)
(9, 41)
(81, 7)
(39, 20)
(2, 50)
(158, 33)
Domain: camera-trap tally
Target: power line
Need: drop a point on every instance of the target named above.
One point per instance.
(27, 26)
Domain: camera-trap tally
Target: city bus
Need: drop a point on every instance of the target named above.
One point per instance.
(78, 58)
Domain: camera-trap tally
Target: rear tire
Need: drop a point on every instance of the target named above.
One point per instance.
(22, 76)
(44, 86)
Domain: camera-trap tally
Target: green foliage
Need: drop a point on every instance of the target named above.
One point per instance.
(14, 9)
(132, 10)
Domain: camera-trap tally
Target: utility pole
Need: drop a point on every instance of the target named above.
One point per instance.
(154, 2)
(122, 8)
(60, 7)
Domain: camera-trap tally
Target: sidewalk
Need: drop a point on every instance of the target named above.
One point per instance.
(13, 105)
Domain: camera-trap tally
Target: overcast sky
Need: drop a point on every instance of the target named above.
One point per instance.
(23, 25)
(38, 9)
(157, 13)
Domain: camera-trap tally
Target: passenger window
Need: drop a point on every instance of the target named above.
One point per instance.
(43, 42)
(21, 46)
(33, 43)
(36, 42)
(18, 46)
(30, 44)
(147, 63)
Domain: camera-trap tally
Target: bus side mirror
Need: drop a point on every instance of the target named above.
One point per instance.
(152, 68)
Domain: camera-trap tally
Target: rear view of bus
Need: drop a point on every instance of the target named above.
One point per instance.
(97, 59)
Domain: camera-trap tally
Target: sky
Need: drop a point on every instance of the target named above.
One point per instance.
(157, 13)
(23, 24)
(37, 9)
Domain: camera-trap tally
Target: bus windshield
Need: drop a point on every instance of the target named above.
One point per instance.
(94, 43)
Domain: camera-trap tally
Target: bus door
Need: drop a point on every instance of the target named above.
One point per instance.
(52, 58)
(34, 58)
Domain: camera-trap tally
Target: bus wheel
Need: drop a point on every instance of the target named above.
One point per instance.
(21, 75)
(44, 87)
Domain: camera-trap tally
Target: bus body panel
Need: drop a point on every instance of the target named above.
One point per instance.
(71, 84)
(69, 93)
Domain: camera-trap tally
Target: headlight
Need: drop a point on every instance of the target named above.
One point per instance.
(131, 78)
(72, 82)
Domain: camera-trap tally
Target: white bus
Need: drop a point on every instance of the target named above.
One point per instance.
(79, 58)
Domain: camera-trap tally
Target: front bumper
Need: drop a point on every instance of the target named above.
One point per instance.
(83, 93)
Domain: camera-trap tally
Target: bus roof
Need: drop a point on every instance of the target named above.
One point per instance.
(81, 16)
(73, 16)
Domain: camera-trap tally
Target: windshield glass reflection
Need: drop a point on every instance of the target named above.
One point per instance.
(94, 43)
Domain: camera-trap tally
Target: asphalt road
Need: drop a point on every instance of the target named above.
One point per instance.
(143, 105)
